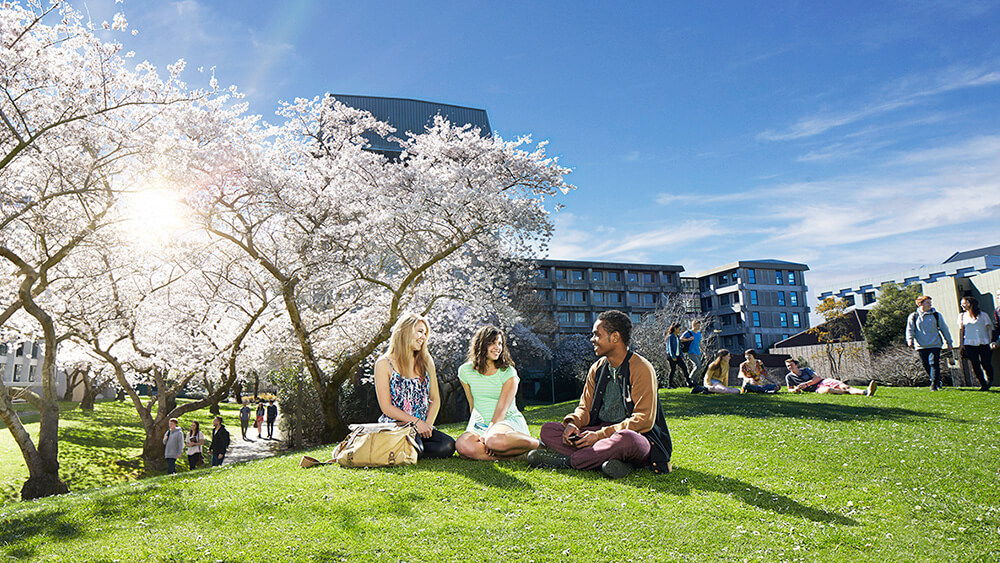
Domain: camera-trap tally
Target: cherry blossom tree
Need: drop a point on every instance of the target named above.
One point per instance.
(72, 115)
(354, 238)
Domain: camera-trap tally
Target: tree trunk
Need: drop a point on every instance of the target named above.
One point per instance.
(153, 462)
(89, 394)
(256, 388)
(238, 392)
(214, 408)
(335, 429)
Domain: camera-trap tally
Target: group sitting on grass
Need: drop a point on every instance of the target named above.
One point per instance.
(617, 427)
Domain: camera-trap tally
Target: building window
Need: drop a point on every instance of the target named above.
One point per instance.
(758, 340)
(724, 279)
(17, 373)
(636, 318)
(633, 277)
(560, 274)
(633, 298)
(542, 274)
(597, 276)
(795, 320)
(706, 303)
(781, 298)
(751, 276)
(791, 278)
(561, 296)
(784, 320)
(756, 319)
(849, 299)
(753, 296)
(703, 284)
(579, 297)
(649, 299)
(614, 276)
(869, 298)
(20, 351)
(735, 275)
(777, 277)
(3, 349)
(577, 275)
(795, 298)
(668, 277)
(598, 297)
(784, 337)
(31, 374)
(543, 294)
(580, 318)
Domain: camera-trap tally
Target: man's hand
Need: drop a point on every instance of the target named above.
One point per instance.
(587, 439)
(571, 430)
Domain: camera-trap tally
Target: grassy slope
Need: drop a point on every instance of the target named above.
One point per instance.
(905, 476)
(95, 450)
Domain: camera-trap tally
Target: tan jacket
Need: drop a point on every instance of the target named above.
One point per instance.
(643, 378)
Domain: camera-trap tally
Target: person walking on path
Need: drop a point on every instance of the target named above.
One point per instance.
(173, 445)
(691, 344)
(618, 425)
(926, 332)
(272, 415)
(195, 440)
(675, 357)
(259, 420)
(220, 441)
(244, 419)
(975, 332)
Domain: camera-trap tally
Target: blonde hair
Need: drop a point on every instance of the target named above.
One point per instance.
(400, 351)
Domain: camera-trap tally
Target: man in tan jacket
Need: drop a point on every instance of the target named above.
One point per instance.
(618, 425)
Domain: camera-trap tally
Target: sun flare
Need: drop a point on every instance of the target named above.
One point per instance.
(153, 214)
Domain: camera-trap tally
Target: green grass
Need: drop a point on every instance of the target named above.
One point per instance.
(95, 449)
(904, 476)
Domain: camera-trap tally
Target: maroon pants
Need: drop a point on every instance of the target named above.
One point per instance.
(626, 445)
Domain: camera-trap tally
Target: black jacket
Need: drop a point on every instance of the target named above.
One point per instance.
(220, 440)
(661, 446)
(272, 412)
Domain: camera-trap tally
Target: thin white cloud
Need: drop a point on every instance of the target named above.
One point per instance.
(632, 156)
(907, 92)
(573, 241)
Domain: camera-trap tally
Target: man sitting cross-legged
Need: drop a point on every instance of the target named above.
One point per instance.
(618, 425)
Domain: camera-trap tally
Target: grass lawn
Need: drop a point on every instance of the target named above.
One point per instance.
(905, 476)
(95, 449)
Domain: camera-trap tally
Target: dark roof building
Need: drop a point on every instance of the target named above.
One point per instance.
(411, 116)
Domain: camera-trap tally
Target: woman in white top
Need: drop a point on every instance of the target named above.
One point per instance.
(194, 441)
(975, 331)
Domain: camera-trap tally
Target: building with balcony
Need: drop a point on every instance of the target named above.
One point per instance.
(756, 303)
(576, 292)
(864, 292)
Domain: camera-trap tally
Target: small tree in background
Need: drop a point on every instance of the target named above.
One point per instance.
(835, 329)
(648, 336)
(886, 324)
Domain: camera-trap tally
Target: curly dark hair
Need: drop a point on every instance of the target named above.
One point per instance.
(481, 341)
(619, 322)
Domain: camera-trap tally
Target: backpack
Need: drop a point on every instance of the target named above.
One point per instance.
(686, 346)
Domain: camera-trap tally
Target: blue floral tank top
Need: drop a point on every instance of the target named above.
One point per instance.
(409, 394)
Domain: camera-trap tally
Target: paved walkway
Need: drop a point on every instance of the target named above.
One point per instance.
(252, 448)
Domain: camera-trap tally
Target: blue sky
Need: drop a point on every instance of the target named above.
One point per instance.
(857, 138)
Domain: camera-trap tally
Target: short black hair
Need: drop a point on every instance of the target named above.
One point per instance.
(617, 322)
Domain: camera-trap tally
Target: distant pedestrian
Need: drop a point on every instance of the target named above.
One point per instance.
(220, 441)
(691, 345)
(926, 332)
(272, 415)
(975, 332)
(173, 445)
(259, 421)
(676, 358)
(244, 419)
(195, 440)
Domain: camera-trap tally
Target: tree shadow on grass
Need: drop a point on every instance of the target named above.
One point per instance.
(115, 438)
(831, 408)
(682, 481)
(20, 532)
(483, 472)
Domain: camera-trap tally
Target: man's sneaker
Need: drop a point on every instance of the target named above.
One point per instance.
(546, 458)
(871, 388)
(616, 469)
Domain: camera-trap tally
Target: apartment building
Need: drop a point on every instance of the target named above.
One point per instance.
(576, 292)
(756, 303)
